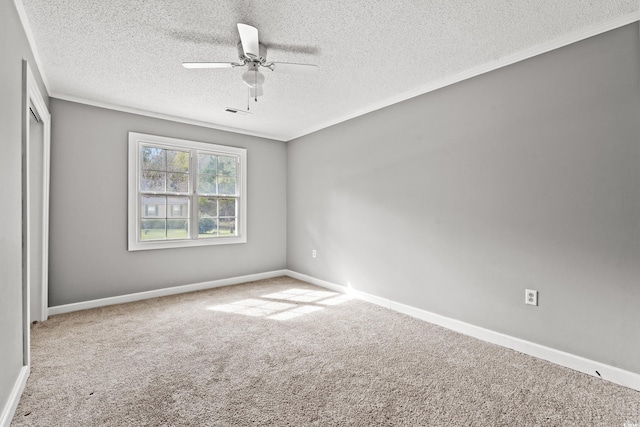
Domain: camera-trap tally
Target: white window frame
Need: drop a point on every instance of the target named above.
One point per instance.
(136, 140)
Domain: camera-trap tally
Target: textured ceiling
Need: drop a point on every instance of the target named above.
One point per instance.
(370, 52)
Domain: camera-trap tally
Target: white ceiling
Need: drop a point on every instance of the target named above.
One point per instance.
(371, 53)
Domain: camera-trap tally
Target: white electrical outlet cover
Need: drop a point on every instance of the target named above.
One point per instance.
(531, 297)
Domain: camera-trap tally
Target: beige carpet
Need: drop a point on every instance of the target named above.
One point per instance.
(285, 353)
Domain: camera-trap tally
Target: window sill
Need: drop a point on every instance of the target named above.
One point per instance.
(169, 244)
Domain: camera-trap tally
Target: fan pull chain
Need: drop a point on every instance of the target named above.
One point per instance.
(248, 98)
(256, 84)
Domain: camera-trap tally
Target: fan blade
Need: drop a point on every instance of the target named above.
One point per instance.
(249, 40)
(253, 94)
(209, 64)
(287, 67)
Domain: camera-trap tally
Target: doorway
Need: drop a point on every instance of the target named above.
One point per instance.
(35, 147)
(36, 136)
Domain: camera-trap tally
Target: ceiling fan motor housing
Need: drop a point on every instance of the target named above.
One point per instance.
(253, 55)
(261, 59)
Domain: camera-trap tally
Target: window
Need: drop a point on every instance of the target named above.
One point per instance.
(185, 193)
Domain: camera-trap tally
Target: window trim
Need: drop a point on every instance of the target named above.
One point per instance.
(134, 205)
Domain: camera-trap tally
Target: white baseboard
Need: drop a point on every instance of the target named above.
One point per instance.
(568, 360)
(67, 308)
(14, 398)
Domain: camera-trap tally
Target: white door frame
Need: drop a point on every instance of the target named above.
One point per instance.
(32, 98)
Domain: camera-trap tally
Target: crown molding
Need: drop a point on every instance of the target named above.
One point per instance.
(32, 42)
(162, 116)
(566, 40)
(421, 90)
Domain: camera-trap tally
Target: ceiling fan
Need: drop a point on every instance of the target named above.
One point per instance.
(253, 55)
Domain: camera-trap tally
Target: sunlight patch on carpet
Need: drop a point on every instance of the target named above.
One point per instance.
(337, 300)
(307, 301)
(296, 312)
(301, 295)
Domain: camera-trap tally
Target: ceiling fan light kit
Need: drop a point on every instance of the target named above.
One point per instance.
(253, 55)
(253, 78)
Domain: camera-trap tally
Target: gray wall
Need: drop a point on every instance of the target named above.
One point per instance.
(88, 236)
(458, 200)
(13, 48)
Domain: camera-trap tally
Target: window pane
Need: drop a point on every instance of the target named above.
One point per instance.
(152, 229)
(227, 226)
(152, 181)
(207, 184)
(178, 207)
(177, 228)
(227, 185)
(207, 211)
(227, 166)
(227, 207)
(178, 182)
(207, 206)
(153, 158)
(207, 164)
(207, 227)
(154, 207)
(177, 161)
